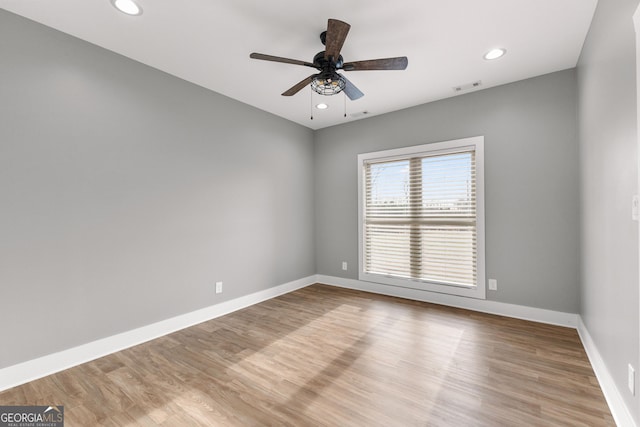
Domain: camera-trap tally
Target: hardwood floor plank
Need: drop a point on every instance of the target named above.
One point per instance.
(324, 356)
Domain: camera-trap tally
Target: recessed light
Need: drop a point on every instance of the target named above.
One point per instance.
(495, 53)
(322, 106)
(129, 7)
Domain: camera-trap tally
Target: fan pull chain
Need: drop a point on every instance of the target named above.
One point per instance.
(345, 105)
(311, 103)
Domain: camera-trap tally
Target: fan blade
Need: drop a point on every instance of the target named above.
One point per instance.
(336, 35)
(351, 90)
(280, 59)
(299, 86)
(399, 63)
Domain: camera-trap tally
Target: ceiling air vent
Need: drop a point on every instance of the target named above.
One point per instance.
(463, 88)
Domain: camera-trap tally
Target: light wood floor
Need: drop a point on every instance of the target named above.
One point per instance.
(324, 356)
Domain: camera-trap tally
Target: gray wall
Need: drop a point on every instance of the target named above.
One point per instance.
(126, 193)
(531, 183)
(608, 180)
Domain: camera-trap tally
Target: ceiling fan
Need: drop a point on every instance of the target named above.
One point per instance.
(327, 62)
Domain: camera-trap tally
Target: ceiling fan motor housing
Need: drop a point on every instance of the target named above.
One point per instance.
(322, 64)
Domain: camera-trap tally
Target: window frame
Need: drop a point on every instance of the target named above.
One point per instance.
(430, 149)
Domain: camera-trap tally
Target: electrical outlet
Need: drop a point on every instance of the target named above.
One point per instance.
(344, 265)
(493, 285)
(218, 287)
(635, 208)
(631, 379)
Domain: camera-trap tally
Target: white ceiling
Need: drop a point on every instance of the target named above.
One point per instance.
(208, 42)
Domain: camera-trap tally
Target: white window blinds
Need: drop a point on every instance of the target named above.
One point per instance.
(419, 217)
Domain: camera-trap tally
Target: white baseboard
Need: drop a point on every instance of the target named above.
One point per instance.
(485, 306)
(31, 370)
(619, 409)
(21, 373)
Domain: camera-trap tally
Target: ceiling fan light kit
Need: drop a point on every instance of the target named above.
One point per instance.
(328, 86)
(328, 81)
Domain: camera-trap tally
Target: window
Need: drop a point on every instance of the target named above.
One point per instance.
(421, 217)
